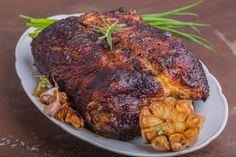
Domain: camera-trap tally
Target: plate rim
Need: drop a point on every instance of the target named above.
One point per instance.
(55, 121)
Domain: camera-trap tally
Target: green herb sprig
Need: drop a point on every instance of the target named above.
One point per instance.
(45, 83)
(108, 30)
(39, 24)
(160, 131)
(158, 20)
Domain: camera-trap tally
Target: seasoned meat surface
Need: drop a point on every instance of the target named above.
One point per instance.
(109, 87)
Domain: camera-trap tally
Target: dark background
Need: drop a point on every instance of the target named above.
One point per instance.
(24, 131)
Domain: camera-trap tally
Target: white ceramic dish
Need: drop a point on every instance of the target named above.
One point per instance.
(215, 109)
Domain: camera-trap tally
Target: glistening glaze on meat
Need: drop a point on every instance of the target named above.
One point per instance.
(109, 87)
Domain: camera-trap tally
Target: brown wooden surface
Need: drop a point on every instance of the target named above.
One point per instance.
(24, 131)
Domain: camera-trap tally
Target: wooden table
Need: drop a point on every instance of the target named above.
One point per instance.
(25, 132)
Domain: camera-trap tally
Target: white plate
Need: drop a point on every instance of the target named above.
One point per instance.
(215, 109)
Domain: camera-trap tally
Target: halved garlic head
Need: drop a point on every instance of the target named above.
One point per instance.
(56, 104)
(170, 124)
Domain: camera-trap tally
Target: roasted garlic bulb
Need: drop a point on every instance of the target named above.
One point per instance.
(170, 124)
(56, 103)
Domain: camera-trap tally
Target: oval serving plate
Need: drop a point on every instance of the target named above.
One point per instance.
(215, 109)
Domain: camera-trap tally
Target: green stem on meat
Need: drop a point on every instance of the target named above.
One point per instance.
(157, 20)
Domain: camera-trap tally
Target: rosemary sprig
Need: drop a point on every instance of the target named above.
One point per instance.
(158, 20)
(108, 30)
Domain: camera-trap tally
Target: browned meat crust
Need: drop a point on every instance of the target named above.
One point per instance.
(109, 87)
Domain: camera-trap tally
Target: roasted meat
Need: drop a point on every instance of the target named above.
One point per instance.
(109, 87)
